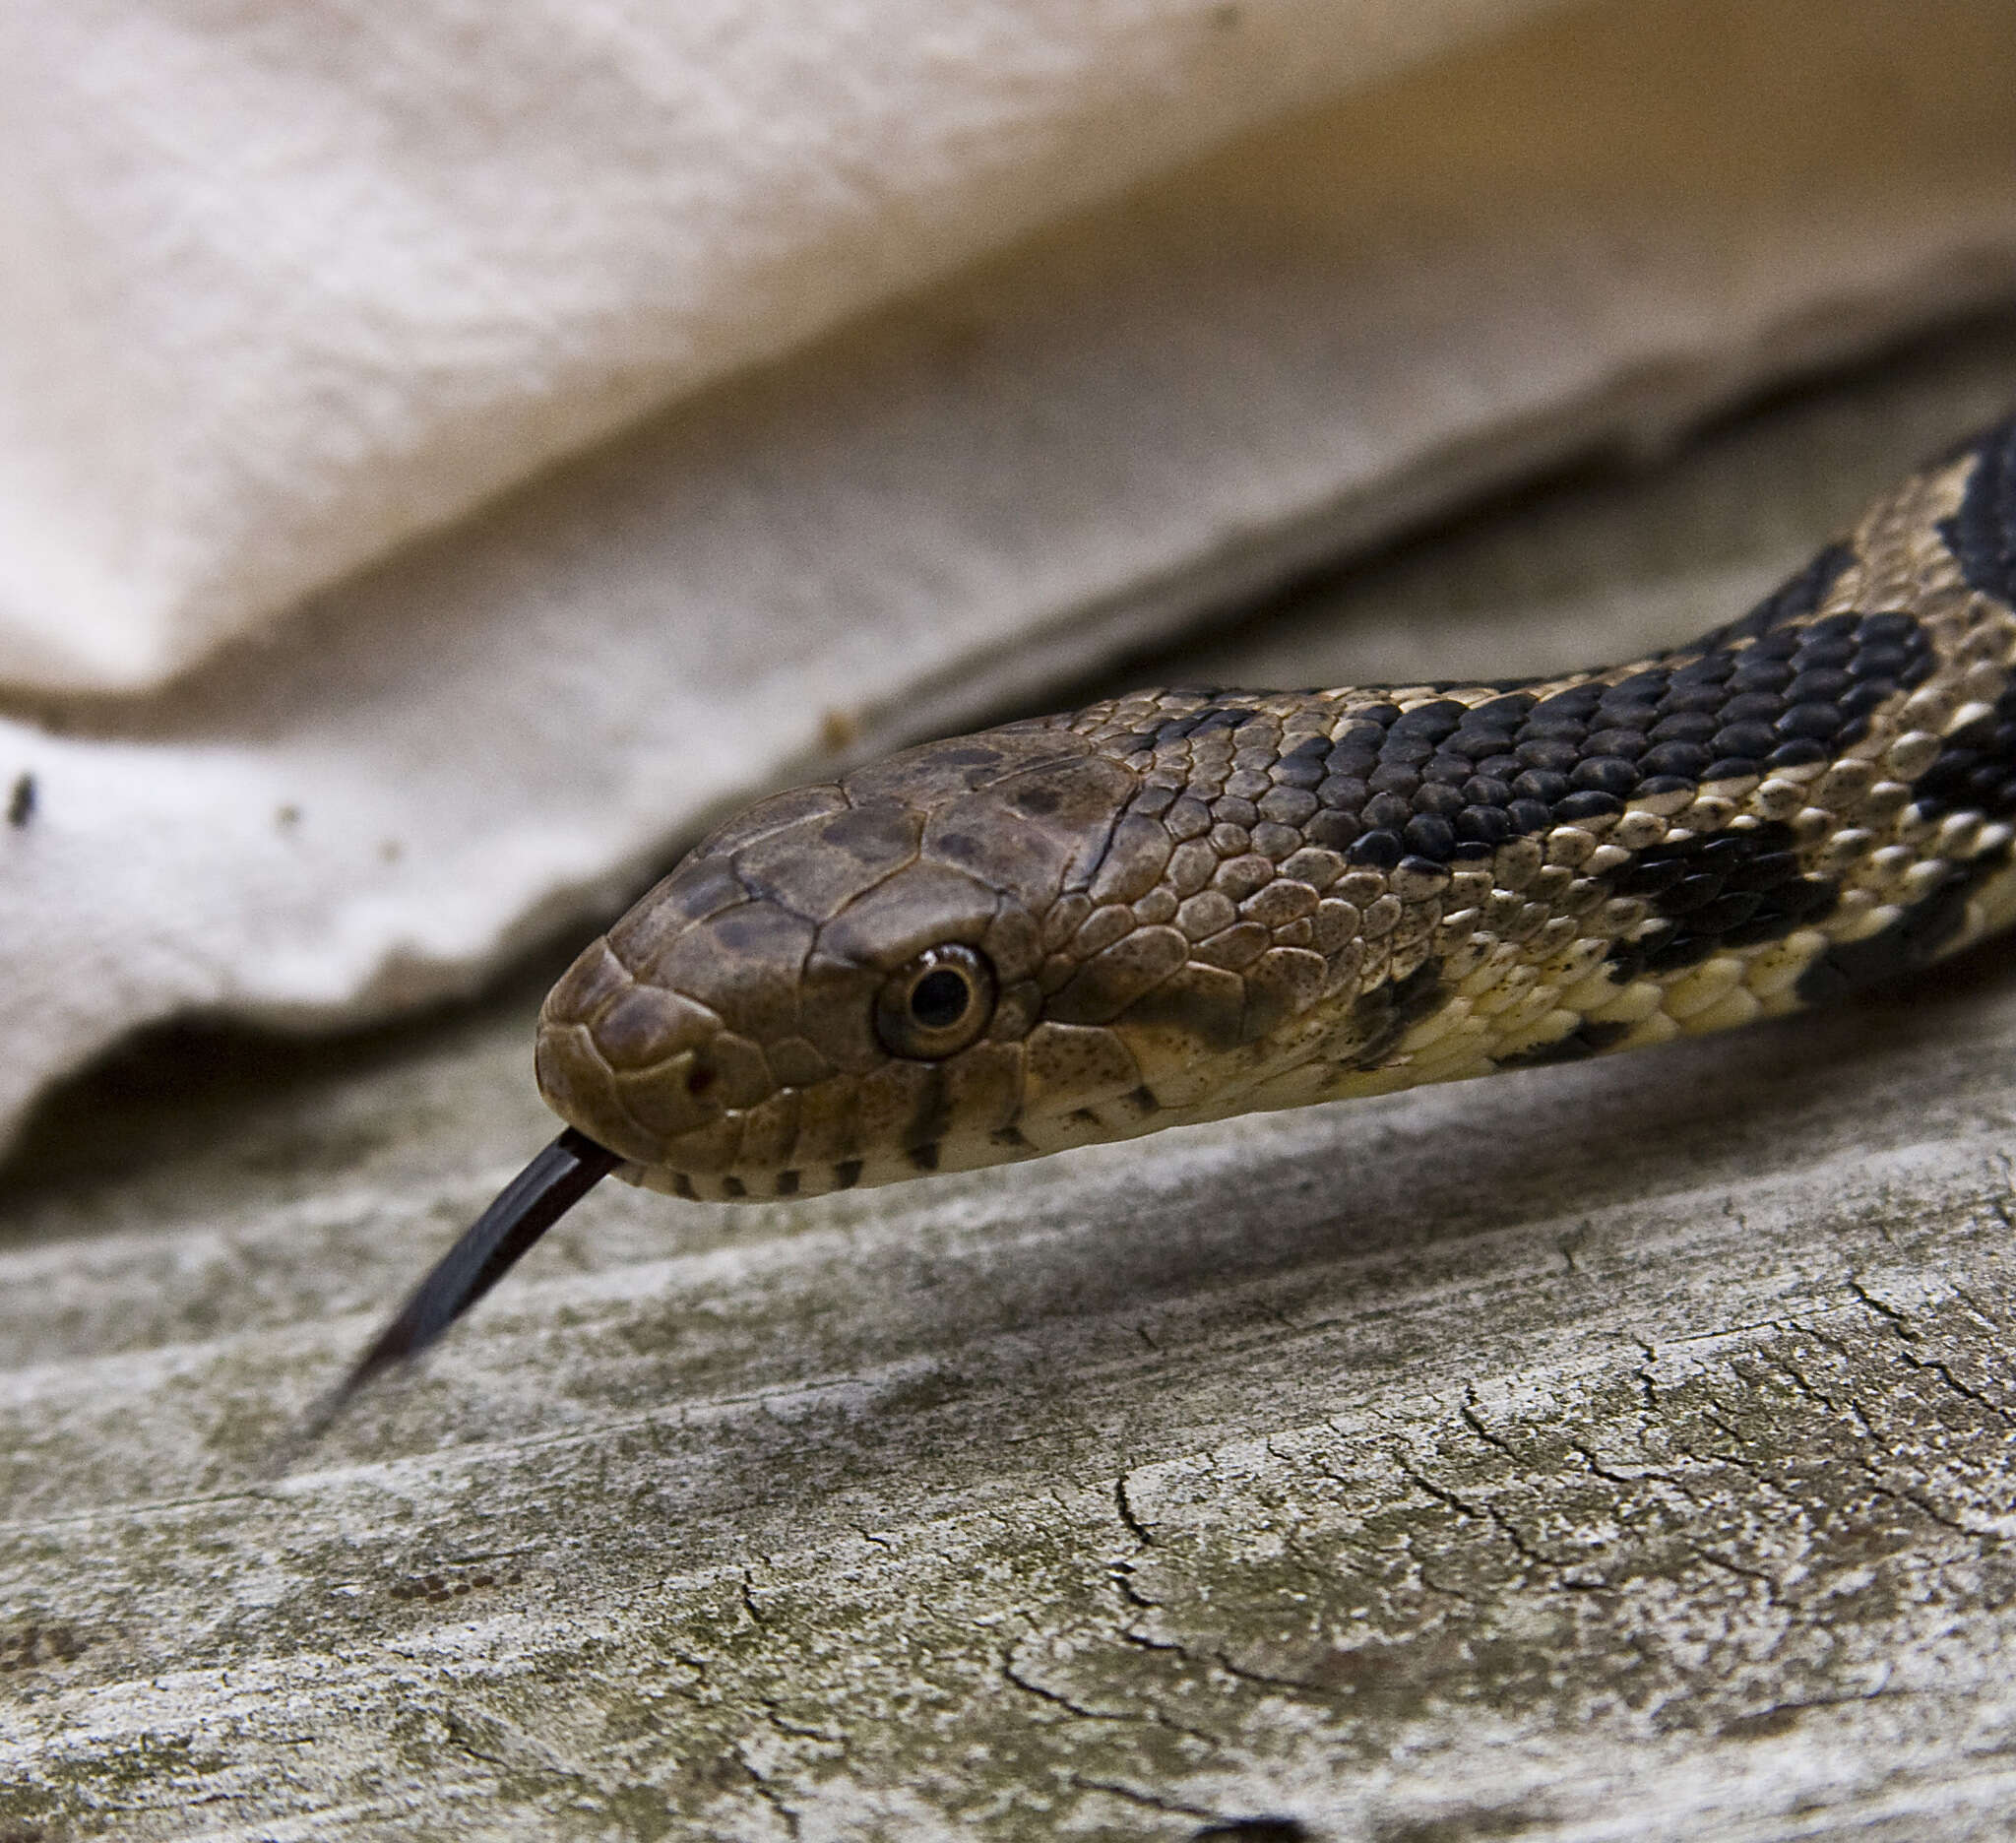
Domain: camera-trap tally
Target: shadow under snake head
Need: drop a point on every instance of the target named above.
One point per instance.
(856, 982)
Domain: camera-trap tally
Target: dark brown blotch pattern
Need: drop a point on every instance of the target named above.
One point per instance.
(1981, 533)
(1910, 943)
(1449, 779)
(1738, 888)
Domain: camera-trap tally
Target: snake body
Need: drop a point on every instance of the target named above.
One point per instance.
(1180, 905)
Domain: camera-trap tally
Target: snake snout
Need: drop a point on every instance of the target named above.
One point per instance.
(660, 1030)
(626, 1061)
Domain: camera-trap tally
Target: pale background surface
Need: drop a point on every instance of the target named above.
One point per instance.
(1610, 1452)
(1614, 1452)
(1581, 233)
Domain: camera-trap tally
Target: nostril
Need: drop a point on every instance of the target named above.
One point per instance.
(701, 1079)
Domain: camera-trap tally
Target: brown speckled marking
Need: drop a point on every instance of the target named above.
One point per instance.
(1197, 903)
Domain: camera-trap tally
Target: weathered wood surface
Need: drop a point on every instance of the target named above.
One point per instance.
(1622, 1452)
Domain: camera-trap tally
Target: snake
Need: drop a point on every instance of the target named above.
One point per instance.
(1180, 905)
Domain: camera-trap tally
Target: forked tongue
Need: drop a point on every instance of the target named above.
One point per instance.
(526, 1207)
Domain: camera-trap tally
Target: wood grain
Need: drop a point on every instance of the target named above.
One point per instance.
(1617, 1451)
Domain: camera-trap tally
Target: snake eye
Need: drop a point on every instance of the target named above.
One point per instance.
(936, 1005)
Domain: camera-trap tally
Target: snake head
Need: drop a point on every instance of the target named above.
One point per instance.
(846, 984)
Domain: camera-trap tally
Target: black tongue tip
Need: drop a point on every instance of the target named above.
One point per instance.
(526, 1207)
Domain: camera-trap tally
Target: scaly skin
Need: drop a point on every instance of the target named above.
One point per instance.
(1193, 904)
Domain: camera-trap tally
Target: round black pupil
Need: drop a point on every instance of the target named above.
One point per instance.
(938, 999)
